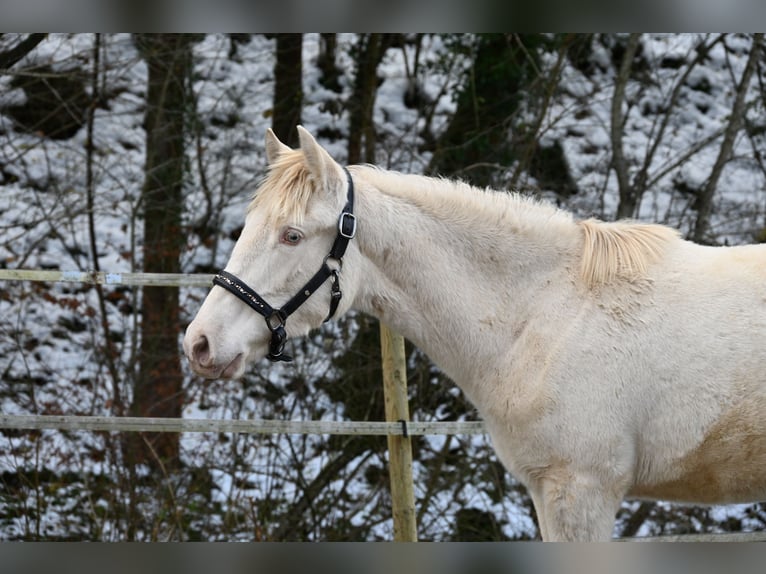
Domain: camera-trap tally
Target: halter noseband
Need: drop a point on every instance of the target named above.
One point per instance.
(276, 318)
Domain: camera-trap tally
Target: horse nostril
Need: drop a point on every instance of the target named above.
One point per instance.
(201, 351)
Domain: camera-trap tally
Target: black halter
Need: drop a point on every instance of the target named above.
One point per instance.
(276, 318)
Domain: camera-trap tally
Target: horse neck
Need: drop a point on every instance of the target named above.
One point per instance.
(453, 281)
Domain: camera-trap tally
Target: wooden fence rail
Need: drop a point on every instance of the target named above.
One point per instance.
(106, 278)
(150, 424)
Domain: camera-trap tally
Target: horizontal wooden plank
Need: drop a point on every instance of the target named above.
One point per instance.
(148, 424)
(107, 278)
(717, 537)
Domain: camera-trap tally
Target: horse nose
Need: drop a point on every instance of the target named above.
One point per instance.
(200, 351)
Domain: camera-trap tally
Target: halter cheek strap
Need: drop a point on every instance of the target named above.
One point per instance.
(276, 318)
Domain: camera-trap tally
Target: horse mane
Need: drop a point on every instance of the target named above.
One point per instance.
(611, 251)
(286, 188)
(621, 250)
(475, 206)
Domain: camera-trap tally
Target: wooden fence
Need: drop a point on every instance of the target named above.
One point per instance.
(397, 427)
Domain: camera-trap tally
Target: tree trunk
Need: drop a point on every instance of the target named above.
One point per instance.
(158, 386)
(629, 196)
(288, 90)
(326, 62)
(361, 137)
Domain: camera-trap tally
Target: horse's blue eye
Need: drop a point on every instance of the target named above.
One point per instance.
(291, 236)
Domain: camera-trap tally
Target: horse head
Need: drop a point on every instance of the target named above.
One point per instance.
(286, 263)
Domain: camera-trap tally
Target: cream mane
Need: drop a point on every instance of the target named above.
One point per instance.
(620, 250)
(461, 202)
(610, 251)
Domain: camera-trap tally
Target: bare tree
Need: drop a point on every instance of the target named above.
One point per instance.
(9, 57)
(327, 63)
(288, 90)
(158, 385)
(632, 189)
(628, 196)
(361, 137)
(736, 120)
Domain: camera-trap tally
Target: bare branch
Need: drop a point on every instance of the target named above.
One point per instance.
(640, 181)
(549, 88)
(619, 163)
(705, 201)
(10, 57)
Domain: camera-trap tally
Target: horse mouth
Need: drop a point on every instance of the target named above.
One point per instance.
(233, 369)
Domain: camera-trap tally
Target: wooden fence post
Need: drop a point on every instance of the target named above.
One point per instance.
(399, 447)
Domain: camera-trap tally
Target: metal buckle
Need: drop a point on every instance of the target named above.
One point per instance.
(345, 221)
(275, 321)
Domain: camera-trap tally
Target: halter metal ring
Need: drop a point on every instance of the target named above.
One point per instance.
(276, 320)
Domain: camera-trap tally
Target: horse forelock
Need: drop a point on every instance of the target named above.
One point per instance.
(285, 190)
(621, 250)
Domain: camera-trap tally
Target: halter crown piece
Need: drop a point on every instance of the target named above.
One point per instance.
(276, 318)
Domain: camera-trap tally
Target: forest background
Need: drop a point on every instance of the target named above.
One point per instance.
(141, 152)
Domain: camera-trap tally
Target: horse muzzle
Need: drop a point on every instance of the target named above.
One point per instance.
(204, 363)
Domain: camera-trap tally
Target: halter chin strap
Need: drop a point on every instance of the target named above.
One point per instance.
(276, 318)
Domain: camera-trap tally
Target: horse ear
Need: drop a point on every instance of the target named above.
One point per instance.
(319, 163)
(274, 147)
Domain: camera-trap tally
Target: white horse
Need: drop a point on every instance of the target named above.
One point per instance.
(608, 360)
